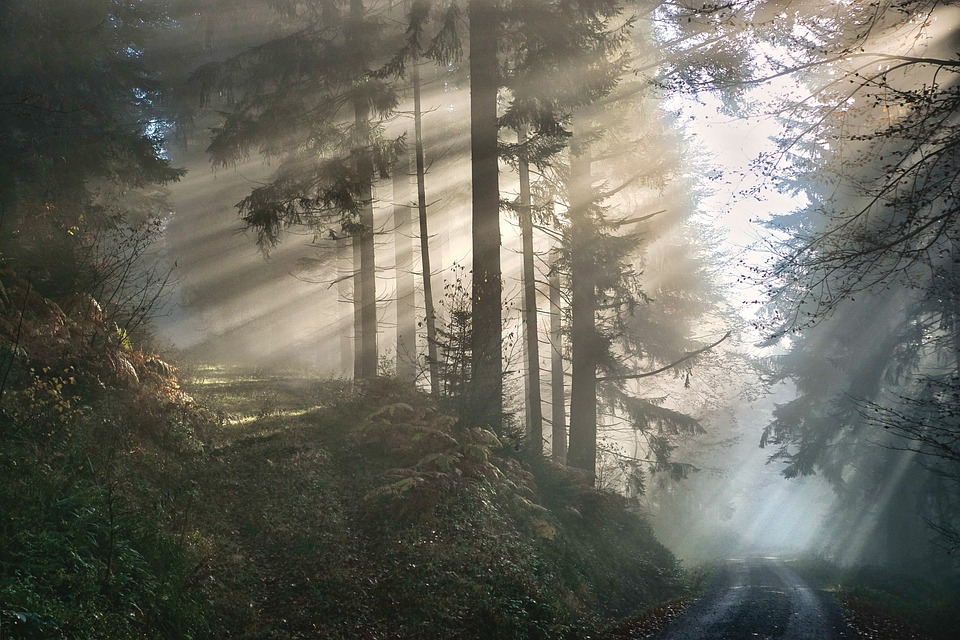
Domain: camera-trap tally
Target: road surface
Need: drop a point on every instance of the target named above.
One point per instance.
(758, 599)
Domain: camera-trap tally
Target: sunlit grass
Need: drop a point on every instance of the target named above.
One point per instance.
(249, 419)
(243, 396)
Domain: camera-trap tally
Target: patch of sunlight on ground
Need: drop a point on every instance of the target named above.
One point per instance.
(292, 413)
(208, 374)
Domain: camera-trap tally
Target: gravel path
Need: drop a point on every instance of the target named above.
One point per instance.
(758, 598)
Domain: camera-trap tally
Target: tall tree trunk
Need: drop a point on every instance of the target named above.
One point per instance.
(403, 255)
(344, 280)
(357, 310)
(532, 335)
(432, 359)
(487, 366)
(953, 275)
(557, 385)
(368, 274)
(583, 331)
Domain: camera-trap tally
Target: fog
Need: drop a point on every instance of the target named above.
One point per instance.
(725, 185)
(480, 318)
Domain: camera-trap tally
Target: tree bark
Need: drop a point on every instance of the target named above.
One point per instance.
(531, 333)
(557, 384)
(344, 280)
(583, 331)
(368, 281)
(403, 254)
(357, 310)
(432, 359)
(486, 366)
(368, 276)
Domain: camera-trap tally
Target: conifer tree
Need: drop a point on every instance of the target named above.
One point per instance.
(863, 276)
(308, 98)
(487, 354)
(623, 154)
(83, 122)
(443, 48)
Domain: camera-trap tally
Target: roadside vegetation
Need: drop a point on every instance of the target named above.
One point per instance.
(254, 505)
(97, 444)
(883, 603)
(362, 510)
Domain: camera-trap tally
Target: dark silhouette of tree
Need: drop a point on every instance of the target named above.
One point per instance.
(864, 272)
(587, 345)
(83, 120)
(487, 287)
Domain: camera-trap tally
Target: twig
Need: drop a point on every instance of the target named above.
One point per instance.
(692, 354)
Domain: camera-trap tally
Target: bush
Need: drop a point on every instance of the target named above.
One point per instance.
(94, 443)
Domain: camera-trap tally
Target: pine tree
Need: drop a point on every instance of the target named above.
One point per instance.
(309, 99)
(83, 122)
(623, 156)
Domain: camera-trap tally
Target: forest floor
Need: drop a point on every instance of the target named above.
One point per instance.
(271, 482)
(320, 527)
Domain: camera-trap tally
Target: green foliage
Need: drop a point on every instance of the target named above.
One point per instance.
(94, 437)
(81, 134)
(307, 98)
(923, 605)
(79, 562)
(378, 515)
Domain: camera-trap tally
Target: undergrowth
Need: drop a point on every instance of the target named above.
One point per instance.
(281, 506)
(377, 516)
(94, 487)
(924, 605)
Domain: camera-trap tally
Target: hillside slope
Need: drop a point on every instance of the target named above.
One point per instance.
(281, 507)
(361, 511)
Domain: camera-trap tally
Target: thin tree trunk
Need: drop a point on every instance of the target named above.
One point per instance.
(487, 364)
(532, 335)
(368, 274)
(432, 359)
(344, 280)
(403, 255)
(357, 311)
(954, 310)
(557, 385)
(583, 331)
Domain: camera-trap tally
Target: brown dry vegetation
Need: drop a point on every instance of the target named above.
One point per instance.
(376, 515)
(291, 508)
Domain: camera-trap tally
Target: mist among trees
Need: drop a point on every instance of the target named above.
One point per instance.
(479, 318)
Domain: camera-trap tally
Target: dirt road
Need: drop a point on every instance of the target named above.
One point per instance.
(758, 598)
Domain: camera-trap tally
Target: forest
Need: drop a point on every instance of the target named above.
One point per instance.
(479, 319)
